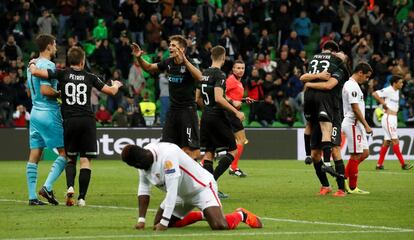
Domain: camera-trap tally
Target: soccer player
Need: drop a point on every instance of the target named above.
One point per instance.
(354, 124)
(389, 99)
(181, 125)
(45, 124)
(187, 185)
(234, 93)
(323, 109)
(215, 131)
(78, 119)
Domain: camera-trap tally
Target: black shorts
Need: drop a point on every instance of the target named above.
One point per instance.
(336, 139)
(181, 128)
(236, 124)
(79, 135)
(318, 106)
(216, 133)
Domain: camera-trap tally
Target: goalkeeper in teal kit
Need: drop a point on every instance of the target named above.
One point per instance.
(46, 130)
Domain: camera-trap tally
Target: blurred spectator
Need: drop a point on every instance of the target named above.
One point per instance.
(402, 8)
(294, 43)
(66, 8)
(350, 12)
(103, 57)
(283, 67)
(118, 28)
(7, 98)
(20, 116)
(283, 21)
(326, 16)
(148, 110)
(123, 55)
(103, 116)
(255, 92)
(265, 43)
(375, 24)
(136, 26)
(220, 24)
(286, 113)
(361, 52)
(27, 20)
(100, 32)
(388, 45)
(206, 12)
(266, 112)
(136, 119)
(136, 79)
(82, 23)
(16, 28)
(164, 97)
(46, 22)
(11, 49)
(119, 118)
(303, 26)
(204, 55)
(153, 33)
(248, 44)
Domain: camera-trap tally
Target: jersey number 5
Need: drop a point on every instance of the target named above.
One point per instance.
(206, 99)
(76, 94)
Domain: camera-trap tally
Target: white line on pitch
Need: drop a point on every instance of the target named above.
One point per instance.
(219, 234)
(264, 218)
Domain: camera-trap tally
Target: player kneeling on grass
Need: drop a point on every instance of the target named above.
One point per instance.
(187, 184)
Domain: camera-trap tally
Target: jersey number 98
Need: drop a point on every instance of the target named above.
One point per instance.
(76, 94)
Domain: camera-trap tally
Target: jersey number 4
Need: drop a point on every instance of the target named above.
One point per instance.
(76, 94)
(315, 63)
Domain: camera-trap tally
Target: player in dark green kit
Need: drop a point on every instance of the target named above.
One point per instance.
(215, 130)
(323, 109)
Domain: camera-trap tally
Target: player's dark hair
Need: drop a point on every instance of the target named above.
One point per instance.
(75, 56)
(238, 61)
(331, 45)
(395, 79)
(180, 39)
(137, 157)
(217, 52)
(43, 40)
(364, 67)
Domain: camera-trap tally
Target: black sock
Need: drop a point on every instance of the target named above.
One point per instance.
(223, 164)
(307, 144)
(208, 165)
(70, 171)
(327, 150)
(84, 178)
(321, 175)
(340, 169)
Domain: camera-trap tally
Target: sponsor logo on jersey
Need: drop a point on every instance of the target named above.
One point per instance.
(169, 167)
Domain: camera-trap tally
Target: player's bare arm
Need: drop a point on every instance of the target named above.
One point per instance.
(307, 77)
(324, 86)
(137, 52)
(199, 99)
(143, 202)
(359, 117)
(220, 100)
(380, 100)
(195, 72)
(112, 90)
(169, 201)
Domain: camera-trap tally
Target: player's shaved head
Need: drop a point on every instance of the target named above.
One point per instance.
(137, 157)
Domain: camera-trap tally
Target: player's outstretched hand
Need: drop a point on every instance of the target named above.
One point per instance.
(117, 83)
(249, 100)
(160, 227)
(136, 50)
(140, 226)
(32, 64)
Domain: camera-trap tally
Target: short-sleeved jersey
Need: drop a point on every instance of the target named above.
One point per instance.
(234, 88)
(391, 97)
(181, 83)
(76, 87)
(40, 101)
(173, 171)
(352, 94)
(212, 77)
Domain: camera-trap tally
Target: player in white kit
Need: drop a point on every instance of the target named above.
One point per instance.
(354, 124)
(389, 99)
(187, 185)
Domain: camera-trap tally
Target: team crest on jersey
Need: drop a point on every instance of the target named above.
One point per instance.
(182, 70)
(168, 167)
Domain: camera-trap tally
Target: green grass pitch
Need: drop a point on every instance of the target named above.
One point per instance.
(283, 193)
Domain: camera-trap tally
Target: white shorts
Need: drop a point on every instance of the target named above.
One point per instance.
(206, 198)
(356, 138)
(389, 124)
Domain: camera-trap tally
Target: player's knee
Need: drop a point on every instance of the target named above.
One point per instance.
(219, 225)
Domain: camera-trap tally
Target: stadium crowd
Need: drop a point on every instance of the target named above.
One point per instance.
(273, 37)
